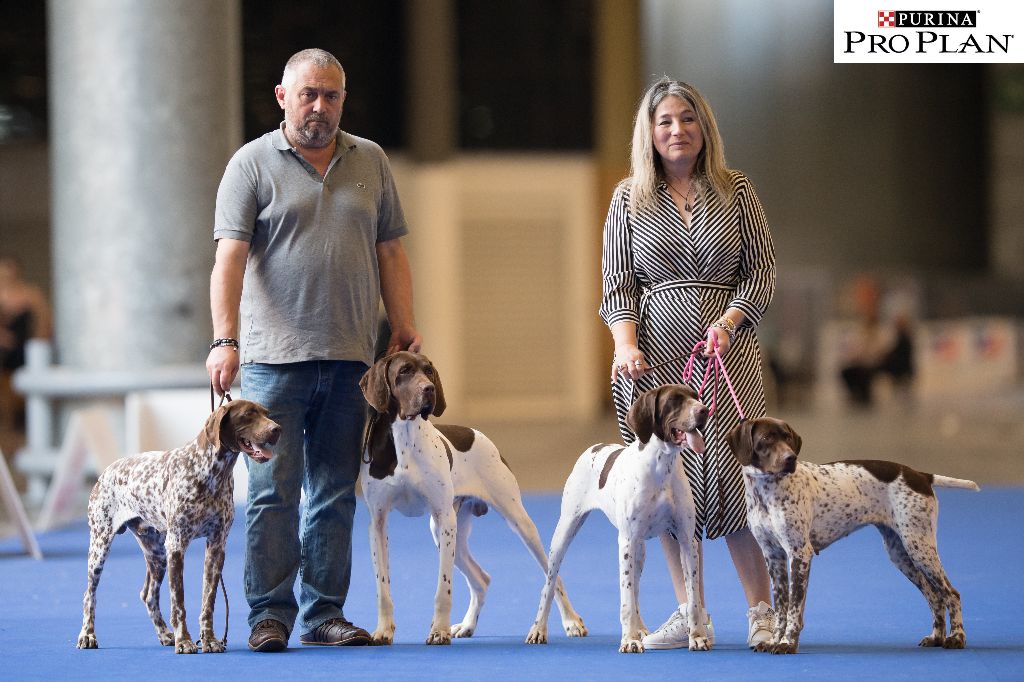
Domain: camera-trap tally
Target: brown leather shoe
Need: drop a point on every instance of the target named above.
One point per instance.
(336, 632)
(268, 635)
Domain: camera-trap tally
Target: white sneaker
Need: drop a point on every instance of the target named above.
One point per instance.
(674, 632)
(761, 619)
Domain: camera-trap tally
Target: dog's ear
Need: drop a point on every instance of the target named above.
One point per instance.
(797, 440)
(740, 440)
(375, 386)
(439, 403)
(218, 432)
(641, 416)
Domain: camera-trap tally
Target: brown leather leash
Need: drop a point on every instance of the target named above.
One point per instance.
(226, 397)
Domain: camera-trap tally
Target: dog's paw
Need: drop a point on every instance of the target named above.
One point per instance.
(212, 645)
(575, 628)
(933, 640)
(537, 635)
(700, 644)
(783, 648)
(166, 638)
(955, 641)
(439, 636)
(185, 646)
(462, 630)
(383, 636)
(631, 646)
(87, 641)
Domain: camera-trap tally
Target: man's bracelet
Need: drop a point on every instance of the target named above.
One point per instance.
(217, 343)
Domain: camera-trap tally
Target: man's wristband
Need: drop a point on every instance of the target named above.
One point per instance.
(217, 343)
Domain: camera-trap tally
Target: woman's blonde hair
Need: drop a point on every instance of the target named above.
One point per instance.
(645, 164)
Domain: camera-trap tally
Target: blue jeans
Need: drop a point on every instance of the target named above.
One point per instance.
(321, 412)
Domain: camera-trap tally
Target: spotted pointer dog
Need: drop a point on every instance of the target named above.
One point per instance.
(644, 492)
(453, 473)
(167, 499)
(796, 509)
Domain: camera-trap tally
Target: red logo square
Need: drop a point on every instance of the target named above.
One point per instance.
(886, 19)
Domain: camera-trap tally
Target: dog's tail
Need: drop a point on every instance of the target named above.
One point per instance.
(947, 482)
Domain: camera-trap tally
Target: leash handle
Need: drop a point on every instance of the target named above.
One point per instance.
(718, 364)
(225, 397)
(226, 611)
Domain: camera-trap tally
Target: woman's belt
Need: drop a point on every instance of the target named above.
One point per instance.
(685, 284)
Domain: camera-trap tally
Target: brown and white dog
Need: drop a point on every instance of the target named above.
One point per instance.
(644, 492)
(451, 472)
(796, 509)
(167, 499)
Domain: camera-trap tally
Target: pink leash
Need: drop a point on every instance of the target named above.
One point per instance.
(719, 366)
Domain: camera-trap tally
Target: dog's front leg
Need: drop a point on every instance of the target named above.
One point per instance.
(779, 574)
(175, 546)
(212, 568)
(689, 558)
(631, 564)
(385, 632)
(799, 575)
(445, 520)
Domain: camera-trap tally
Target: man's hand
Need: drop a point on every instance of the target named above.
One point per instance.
(405, 339)
(222, 366)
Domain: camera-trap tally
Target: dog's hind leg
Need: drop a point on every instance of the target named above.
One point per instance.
(152, 544)
(519, 521)
(899, 557)
(925, 555)
(477, 578)
(569, 522)
(101, 534)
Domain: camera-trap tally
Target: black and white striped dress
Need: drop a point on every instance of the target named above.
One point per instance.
(674, 281)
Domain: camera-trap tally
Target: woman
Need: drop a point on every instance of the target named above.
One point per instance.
(688, 257)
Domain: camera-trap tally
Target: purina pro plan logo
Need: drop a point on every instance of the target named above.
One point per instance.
(868, 31)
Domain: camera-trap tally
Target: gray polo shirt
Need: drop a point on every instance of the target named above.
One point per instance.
(311, 288)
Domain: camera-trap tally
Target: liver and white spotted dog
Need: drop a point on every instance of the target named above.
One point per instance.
(796, 509)
(167, 499)
(451, 472)
(644, 492)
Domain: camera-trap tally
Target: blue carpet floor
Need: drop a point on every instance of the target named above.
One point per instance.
(863, 619)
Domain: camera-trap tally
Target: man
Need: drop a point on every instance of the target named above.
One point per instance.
(307, 227)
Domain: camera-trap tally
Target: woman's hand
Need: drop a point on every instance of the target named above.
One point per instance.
(717, 337)
(629, 362)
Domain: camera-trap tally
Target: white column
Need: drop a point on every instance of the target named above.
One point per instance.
(145, 102)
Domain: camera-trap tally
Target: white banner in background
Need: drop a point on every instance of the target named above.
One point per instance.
(928, 31)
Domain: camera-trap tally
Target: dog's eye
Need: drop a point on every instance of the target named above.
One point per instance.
(404, 369)
(429, 371)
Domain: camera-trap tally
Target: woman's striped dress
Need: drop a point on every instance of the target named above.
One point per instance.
(674, 281)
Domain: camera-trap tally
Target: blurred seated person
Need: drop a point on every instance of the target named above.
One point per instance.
(24, 315)
(879, 349)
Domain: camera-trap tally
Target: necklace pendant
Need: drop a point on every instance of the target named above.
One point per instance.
(688, 207)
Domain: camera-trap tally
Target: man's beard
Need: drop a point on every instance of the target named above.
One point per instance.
(314, 136)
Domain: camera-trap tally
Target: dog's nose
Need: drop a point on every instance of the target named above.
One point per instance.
(275, 433)
(790, 463)
(428, 391)
(701, 417)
